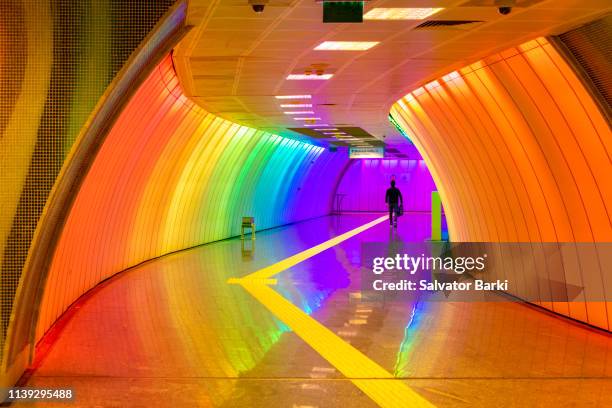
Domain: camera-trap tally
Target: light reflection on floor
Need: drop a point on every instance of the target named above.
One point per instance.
(173, 332)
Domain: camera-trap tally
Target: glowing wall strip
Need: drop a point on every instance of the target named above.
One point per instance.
(170, 176)
(519, 152)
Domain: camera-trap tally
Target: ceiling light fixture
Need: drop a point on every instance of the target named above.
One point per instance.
(325, 130)
(307, 119)
(298, 112)
(293, 96)
(315, 124)
(345, 45)
(304, 77)
(296, 105)
(400, 13)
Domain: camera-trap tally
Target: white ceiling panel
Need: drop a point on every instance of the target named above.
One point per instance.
(235, 61)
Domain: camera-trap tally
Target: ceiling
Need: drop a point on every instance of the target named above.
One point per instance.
(234, 61)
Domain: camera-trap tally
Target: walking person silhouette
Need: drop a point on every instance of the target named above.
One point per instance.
(394, 199)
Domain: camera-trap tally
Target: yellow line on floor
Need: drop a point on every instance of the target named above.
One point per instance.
(376, 382)
(287, 263)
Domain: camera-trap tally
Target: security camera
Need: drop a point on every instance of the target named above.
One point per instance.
(505, 6)
(258, 6)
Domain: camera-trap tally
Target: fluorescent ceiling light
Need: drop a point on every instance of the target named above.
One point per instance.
(334, 133)
(298, 112)
(304, 77)
(400, 13)
(308, 119)
(345, 45)
(296, 105)
(324, 130)
(293, 96)
(316, 124)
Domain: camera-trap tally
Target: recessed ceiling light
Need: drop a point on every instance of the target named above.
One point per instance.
(334, 133)
(298, 112)
(400, 13)
(293, 96)
(315, 124)
(345, 45)
(308, 119)
(304, 77)
(296, 105)
(325, 130)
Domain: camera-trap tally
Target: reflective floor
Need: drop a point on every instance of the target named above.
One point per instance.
(173, 332)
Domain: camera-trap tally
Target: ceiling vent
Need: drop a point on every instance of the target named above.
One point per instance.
(433, 24)
(495, 3)
(589, 49)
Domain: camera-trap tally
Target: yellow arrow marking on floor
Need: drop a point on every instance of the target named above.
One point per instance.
(287, 263)
(376, 382)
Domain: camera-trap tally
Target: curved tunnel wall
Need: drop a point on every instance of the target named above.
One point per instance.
(57, 59)
(171, 176)
(520, 153)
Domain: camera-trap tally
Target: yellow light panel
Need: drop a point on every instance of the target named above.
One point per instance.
(400, 13)
(346, 45)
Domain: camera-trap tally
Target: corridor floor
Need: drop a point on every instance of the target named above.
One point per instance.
(173, 332)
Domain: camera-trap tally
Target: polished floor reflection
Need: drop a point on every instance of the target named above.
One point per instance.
(173, 332)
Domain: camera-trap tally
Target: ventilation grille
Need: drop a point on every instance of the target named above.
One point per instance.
(591, 48)
(493, 3)
(433, 24)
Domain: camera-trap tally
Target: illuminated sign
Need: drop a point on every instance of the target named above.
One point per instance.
(366, 152)
(342, 11)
